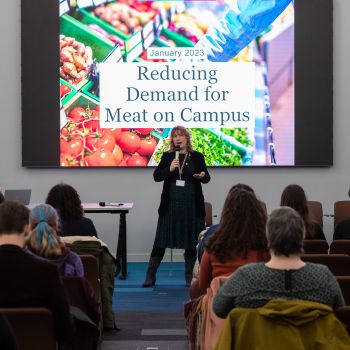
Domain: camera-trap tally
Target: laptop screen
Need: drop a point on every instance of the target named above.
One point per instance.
(22, 196)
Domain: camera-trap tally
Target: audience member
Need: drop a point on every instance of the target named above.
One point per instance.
(44, 242)
(342, 230)
(284, 276)
(26, 281)
(65, 199)
(240, 238)
(2, 198)
(294, 196)
(213, 228)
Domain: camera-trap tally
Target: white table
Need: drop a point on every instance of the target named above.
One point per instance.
(122, 209)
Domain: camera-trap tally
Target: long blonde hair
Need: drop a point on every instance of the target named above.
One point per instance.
(43, 239)
(180, 130)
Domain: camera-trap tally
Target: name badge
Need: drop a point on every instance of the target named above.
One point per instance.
(180, 183)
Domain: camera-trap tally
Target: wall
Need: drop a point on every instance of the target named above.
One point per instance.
(325, 185)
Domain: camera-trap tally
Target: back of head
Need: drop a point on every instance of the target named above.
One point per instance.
(242, 227)
(294, 196)
(65, 199)
(14, 216)
(43, 239)
(2, 198)
(285, 232)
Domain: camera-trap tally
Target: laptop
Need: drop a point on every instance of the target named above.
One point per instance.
(22, 196)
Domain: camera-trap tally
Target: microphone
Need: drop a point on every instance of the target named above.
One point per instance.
(177, 152)
(110, 204)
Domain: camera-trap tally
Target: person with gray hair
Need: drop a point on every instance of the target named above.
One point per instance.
(43, 242)
(284, 276)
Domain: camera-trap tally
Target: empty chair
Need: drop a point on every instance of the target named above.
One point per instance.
(341, 246)
(91, 272)
(33, 327)
(343, 314)
(316, 212)
(339, 264)
(315, 246)
(208, 214)
(344, 282)
(341, 211)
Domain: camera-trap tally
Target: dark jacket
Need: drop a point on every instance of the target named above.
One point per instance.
(342, 230)
(29, 282)
(162, 173)
(77, 227)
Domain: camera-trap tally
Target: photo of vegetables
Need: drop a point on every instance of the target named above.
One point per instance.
(124, 30)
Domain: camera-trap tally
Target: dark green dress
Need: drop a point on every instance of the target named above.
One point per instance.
(179, 227)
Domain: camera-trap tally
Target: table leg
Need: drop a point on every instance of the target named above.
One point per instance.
(121, 249)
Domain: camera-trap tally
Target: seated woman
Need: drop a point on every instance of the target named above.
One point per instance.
(284, 276)
(240, 238)
(294, 196)
(44, 242)
(65, 199)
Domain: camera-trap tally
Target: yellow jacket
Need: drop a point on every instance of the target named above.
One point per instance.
(284, 325)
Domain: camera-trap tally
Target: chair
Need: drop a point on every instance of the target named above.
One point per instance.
(316, 212)
(341, 246)
(344, 282)
(315, 246)
(33, 327)
(91, 272)
(341, 211)
(343, 315)
(339, 264)
(208, 214)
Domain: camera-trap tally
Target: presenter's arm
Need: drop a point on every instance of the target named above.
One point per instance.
(204, 174)
(162, 172)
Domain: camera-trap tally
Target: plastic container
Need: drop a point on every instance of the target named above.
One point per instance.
(73, 91)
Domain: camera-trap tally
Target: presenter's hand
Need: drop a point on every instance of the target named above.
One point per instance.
(199, 176)
(174, 164)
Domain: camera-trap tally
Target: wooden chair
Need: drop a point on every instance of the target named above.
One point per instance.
(343, 314)
(341, 211)
(316, 212)
(339, 264)
(344, 282)
(341, 246)
(91, 273)
(33, 327)
(315, 246)
(208, 214)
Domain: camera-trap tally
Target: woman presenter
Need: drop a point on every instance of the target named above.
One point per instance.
(181, 210)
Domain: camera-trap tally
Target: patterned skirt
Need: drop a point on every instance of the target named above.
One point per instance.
(180, 227)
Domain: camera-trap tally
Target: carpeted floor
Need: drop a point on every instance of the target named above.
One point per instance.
(149, 317)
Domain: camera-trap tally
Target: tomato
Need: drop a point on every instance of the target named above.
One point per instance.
(92, 124)
(97, 108)
(126, 157)
(144, 131)
(73, 147)
(118, 154)
(101, 157)
(68, 129)
(129, 142)
(68, 160)
(78, 114)
(64, 90)
(147, 146)
(117, 134)
(123, 163)
(103, 139)
(136, 160)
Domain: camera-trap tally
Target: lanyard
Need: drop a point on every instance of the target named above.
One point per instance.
(182, 166)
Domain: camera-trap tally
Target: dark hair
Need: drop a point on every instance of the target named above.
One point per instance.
(2, 198)
(65, 199)
(294, 196)
(285, 232)
(242, 227)
(240, 186)
(14, 216)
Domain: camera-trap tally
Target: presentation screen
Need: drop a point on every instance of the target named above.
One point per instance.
(117, 76)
